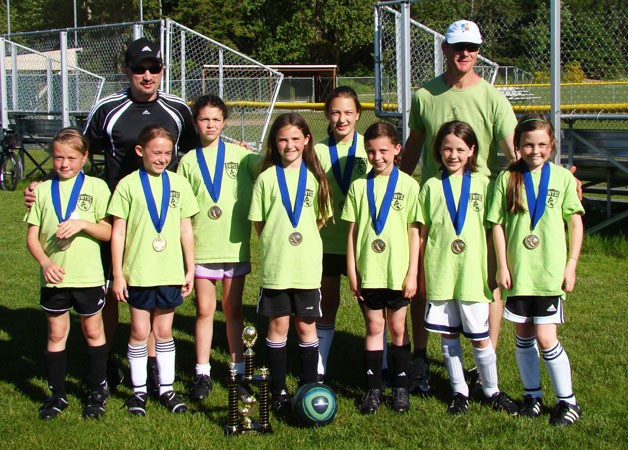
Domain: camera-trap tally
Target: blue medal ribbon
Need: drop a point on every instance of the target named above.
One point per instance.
(343, 179)
(379, 219)
(536, 205)
(158, 220)
(74, 195)
(212, 187)
(293, 214)
(457, 216)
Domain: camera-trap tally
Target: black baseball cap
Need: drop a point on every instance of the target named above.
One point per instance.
(140, 50)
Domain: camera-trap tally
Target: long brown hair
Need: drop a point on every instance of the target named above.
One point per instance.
(530, 122)
(462, 130)
(345, 92)
(272, 157)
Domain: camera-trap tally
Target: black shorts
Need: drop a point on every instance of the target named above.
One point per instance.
(334, 265)
(384, 298)
(285, 302)
(533, 308)
(155, 297)
(85, 301)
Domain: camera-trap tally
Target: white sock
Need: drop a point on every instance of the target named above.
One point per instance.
(239, 367)
(559, 371)
(527, 355)
(203, 369)
(452, 355)
(165, 361)
(325, 334)
(486, 360)
(138, 361)
(385, 357)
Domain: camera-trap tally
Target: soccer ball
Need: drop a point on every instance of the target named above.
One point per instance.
(314, 404)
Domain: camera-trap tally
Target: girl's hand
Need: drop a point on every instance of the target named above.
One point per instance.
(69, 228)
(52, 272)
(120, 291)
(569, 276)
(354, 285)
(503, 279)
(186, 289)
(410, 286)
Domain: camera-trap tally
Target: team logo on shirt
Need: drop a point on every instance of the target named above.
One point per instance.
(552, 198)
(476, 201)
(359, 166)
(231, 169)
(308, 200)
(175, 197)
(397, 202)
(84, 202)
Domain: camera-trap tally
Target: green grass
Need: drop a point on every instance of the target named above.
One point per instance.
(594, 337)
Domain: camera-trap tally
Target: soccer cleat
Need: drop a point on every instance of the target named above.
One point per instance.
(564, 414)
(173, 402)
(136, 403)
(532, 406)
(418, 380)
(201, 387)
(400, 401)
(152, 381)
(95, 404)
(282, 403)
(115, 376)
(459, 404)
(371, 401)
(501, 402)
(52, 407)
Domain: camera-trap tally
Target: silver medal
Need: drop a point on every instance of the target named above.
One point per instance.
(295, 238)
(214, 212)
(531, 241)
(458, 246)
(378, 245)
(159, 244)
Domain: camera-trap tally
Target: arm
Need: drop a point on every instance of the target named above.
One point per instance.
(412, 151)
(424, 233)
(508, 148)
(259, 226)
(118, 238)
(187, 244)
(100, 230)
(52, 272)
(575, 244)
(352, 272)
(503, 274)
(410, 282)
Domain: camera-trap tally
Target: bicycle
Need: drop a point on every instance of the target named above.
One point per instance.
(11, 162)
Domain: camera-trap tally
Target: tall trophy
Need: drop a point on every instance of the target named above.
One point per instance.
(242, 410)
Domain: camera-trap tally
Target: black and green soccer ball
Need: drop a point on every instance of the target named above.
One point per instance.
(314, 404)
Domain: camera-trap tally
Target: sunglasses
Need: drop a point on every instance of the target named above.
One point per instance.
(140, 70)
(462, 46)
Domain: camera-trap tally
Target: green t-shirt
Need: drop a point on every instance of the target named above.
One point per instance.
(142, 265)
(538, 271)
(387, 269)
(334, 233)
(226, 239)
(482, 106)
(450, 276)
(286, 266)
(81, 261)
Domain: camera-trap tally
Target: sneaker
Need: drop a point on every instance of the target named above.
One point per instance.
(564, 414)
(152, 381)
(501, 402)
(400, 401)
(173, 402)
(95, 404)
(201, 387)
(115, 376)
(532, 406)
(136, 403)
(282, 403)
(52, 407)
(418, 381)
(371, 401)
(459, 404)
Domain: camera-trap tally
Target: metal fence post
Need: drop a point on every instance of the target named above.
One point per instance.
(555, 74)
(65, 96)
(4, 113)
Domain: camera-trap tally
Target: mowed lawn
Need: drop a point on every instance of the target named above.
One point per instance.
(594, 337)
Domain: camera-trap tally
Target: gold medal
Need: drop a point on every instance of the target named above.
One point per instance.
(159, 244)
(531, 241)
(378, 245)
(295, 238)
(63, 244)
(214, 212)
(458, 246)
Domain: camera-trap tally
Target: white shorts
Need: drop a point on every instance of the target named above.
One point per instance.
(220, 271)
(455, 316)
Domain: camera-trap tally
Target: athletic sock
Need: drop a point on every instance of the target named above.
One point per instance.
(325, 334)
(203, 369)
(559, 371)
(56, 368)
(420, 353)
(308, 354)
(373, 366)
(400, 365)
(385, 355)
(138, 360)
(277, 362)
(527, 355)
(452, 355)
(165, 361)
(486, 360)
(96, 366)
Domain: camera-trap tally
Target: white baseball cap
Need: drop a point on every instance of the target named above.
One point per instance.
(463, 31)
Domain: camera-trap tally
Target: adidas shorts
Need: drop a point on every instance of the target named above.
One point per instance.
(377, 299)
(532, 308)
(220, 271)
(334, 265)
(285, 302)
(155, 297)
(455, 316)
(85, 301)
